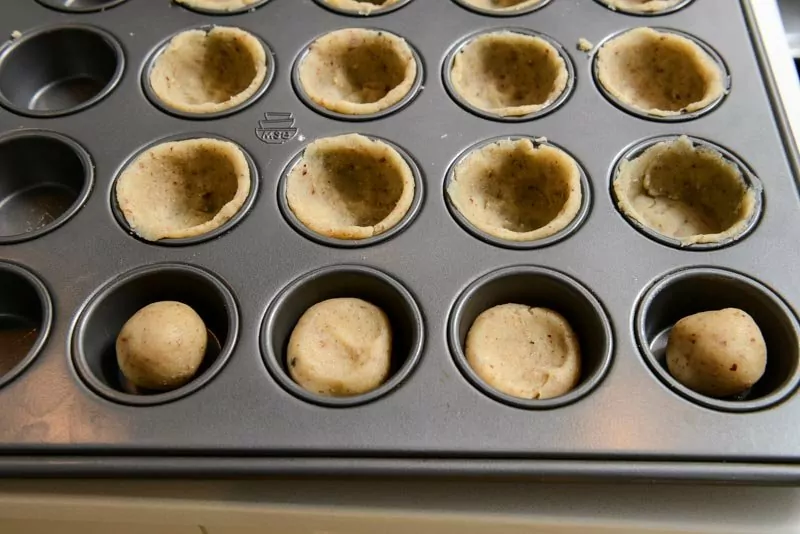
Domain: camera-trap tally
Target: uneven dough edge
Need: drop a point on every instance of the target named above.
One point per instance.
(653, 6)
(517, 7)
(362, 8)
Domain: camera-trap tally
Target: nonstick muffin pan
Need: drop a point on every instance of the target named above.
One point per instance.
(75, 111)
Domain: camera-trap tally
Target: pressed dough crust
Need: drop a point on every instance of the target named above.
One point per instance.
(509, 74)
(529, 353)
(362, 7)
(183, 188)
(503, 5)
(659, 73)
(685, 192)
(341, 347)
(209, 71)
(358, 72)
(517, 191)
(218, 5)
(642, 6)
(350, 187)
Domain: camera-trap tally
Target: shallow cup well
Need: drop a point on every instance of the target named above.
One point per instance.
(508, 13)
(80, 6)
(382, 11)
(672, 9)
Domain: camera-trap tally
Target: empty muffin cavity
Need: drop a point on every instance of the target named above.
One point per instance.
(686, 191)
(503, 6)
(508, 74)
(221, 6)
(206, 72)
(350, 187)
(363, 7)
(182, 189)
(81, 6)
(659, 73)
(357, 72)
(517, 191)
(647, 7)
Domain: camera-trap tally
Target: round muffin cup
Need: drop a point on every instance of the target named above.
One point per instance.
(382, 11)
(509, 13)
(187, 241)
(303, 230)
(536, 287)
(749, 177)
(688, 291)
(303, 95)
(726, 77)
(346, 281)
(107, 310)
(25, 309)
(58, 70)
(216, 12)
(672, 9)
(156, 101)
(80, 6)
(572, 227)
(38, 194)
(447, 68)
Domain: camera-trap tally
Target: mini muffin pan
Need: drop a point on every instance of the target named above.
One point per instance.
(75, 111)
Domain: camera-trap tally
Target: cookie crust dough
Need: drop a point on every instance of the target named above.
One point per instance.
(659, 73)
(350, 187)
(529, 353)
(516, 191)
(221, 6)
(642, 6)
(362, 7)
(341, 347)
(690, 193)
(509, 74)
(206, 72)
(358, 72)
(503, 5)
(184, 188)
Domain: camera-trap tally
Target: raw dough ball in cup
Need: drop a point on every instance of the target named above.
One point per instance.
(516, 191)
(204, 72)
(529, 353)
(659, 73)
(183, 189)
(162, 346)
(350, 187)
(717, 353)
(223, 6)
(642, 6)
(362, 7)
(509, 74)
(503, 5)
(341, 347)
(358, 72)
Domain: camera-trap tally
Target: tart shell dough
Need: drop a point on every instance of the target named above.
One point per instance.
(503, 5)
(362, 7)
(218, 5)
(350, 187)
(509, 74)
(516, 191)
(685, 192)
(529, 353)
(341, 347)
(642, 6)
(358, 72)
(659, 73)
(208, 72)
(183, 189)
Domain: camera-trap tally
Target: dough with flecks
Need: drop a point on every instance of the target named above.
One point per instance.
(503, 5)
(642, 6)
(362, 7)
(218, 5)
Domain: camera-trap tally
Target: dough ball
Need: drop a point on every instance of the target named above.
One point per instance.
(209, 71)
(516, 191)
(642, 6)
(691, 193)
(362, 7)
(529, 353)
(162, 346)
(509, 74)
(183, 189)
(350, 187)
(659, 73)
(717, 353)
(358, 72)
(503, 5)
(341, 347)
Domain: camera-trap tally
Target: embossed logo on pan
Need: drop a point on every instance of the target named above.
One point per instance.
(277, 128)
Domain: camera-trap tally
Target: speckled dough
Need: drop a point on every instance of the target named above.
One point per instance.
(362, 7)
(503, 5)
(642, 6)
(509, 74)
(350, 187)
(341, 347)
(162, 346)
(218, 5)
(659, 73)
(517, 191)
(358, 72)
(529, 353)
(685, 192)
(209, 71)
(183, 188)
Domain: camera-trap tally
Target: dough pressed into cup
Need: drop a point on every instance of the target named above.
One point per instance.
(341, 347)
(222, 6)
(509, 74)
(686, 192)
(350, 187)
(503, 5)
(206, 72)
(529, 353)
(358, 72)
(659, 73)
(362, 7)
(642, 6)
(516, 191)
(183, 189)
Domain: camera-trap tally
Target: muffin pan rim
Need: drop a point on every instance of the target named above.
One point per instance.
(375, 13)
(502, 14)
(677, 7)
(109, 4)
